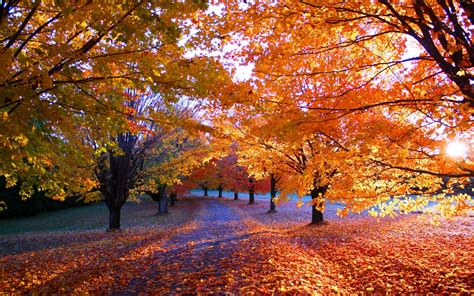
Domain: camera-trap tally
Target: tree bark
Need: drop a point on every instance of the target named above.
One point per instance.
(173, 199)
(205, 191)
(236, 195)
(116, 194)
(114, 217)
(156, 197)
(273, 192)
(220, 191)
(251, 196)
(163, 209)
(317, 197)
(163, 201)
(118, 177)
(251, 191)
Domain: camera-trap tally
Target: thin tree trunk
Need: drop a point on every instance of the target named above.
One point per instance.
(173, 199)
(220, 191)
(159, 206)
(251, 196)
(205, 191)
(163, 202)
(236, 195)
(273, 191)
(251, 191)
(317, 197)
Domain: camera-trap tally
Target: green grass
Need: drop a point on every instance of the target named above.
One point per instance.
(91, 217)
(80, 218)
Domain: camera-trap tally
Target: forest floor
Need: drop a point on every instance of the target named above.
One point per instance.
(211, 245)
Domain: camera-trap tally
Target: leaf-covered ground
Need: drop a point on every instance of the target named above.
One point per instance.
(219, 245)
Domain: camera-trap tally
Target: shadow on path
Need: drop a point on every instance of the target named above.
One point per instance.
(200, 253)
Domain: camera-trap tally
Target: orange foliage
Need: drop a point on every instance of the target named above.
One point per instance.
(352, 96)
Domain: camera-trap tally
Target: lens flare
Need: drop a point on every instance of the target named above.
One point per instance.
(456, 149)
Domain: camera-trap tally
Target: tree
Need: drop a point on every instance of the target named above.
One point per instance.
(343, 73)
(64, 67)
(172, 160)
(232, 176)
(262, 152)
(118, 169)
(159, 195)
(219, 172)
(204, 175)
(184, 186)
(366, 66)
(153, 155)
(251, 189)
(273, 192)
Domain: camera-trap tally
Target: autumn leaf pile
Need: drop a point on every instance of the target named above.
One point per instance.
(405, 254)
(209, 245)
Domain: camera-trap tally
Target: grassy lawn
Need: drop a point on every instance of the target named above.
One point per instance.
(90, 217)
(80, 218)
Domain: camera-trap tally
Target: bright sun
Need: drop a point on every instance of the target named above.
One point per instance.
(456, 149)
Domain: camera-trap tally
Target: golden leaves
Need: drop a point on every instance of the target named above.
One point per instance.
(62, 91)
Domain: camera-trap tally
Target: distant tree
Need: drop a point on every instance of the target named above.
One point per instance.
(167, 166)
(273, 191)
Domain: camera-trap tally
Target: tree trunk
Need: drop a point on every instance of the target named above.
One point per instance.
(317, 197)
(251, 191)
(117, 177)
(163, 202)
(156, 197)
(251, 196)
(205, 191)
(273, 191)
(115, 197)
(220, 191)
(163, 205)
(114, 217)
(236, 195)
(173, 199)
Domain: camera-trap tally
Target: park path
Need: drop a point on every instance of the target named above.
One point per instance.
(194, 259)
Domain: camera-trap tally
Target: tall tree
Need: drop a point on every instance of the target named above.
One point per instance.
(119, 166)
(371, 79)
(63, 68)
(154, 154)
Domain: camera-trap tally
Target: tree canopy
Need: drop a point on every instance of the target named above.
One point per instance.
(356, 100)
(65, 71)
(373, 91)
